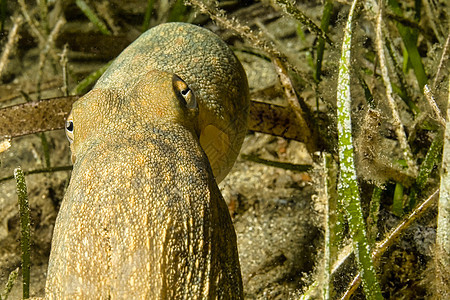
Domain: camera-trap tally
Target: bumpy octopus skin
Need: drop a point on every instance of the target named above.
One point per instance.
(143, 217)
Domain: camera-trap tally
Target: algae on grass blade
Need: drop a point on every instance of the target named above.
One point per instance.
(24, 213)
(348, 190)
(9, 284)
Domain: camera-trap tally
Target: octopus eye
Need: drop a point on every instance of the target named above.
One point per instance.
(69, 128)
(184, 93)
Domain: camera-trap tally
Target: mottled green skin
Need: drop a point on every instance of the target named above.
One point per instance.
(208, 66)
(143, 217)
